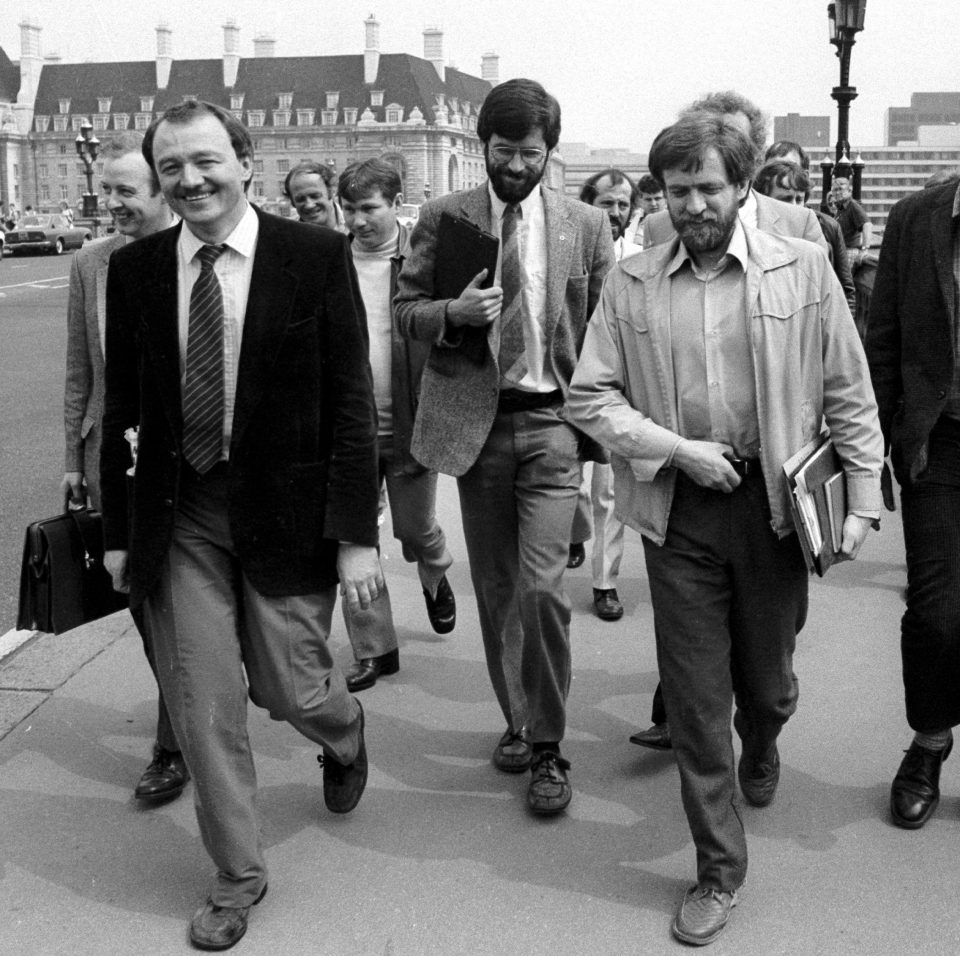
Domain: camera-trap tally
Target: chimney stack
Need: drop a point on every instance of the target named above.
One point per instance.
(371, 49)
(433, 48)
(231, 52)
(490, 68)
(31, 64)
(264, 45)
(164, 54)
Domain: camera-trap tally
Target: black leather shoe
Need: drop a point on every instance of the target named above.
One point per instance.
(578, 554)
(759, 775)
(442, 609)
(365, 672)
(606, 602)
(219, 927)
(164, 778)
(916, 787)
(656, 737)
(343, 783)
(550, 790)
(513, 753)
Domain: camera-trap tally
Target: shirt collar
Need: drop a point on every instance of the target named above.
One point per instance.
(498, 206)
(737, 249)
(749, 210)
(243, 239)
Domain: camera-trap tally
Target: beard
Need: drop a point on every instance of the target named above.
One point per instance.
(513, 187)
(618, 226)
(701, 234)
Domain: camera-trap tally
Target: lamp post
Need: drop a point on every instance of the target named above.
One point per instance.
(87, 147)
(845, 19)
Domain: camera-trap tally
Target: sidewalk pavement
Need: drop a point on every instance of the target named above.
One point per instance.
(441, 857)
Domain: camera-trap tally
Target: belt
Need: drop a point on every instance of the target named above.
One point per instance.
(745, 467)
(514, 400)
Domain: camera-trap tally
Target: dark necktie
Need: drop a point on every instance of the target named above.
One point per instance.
(203, 391)
(513, 361)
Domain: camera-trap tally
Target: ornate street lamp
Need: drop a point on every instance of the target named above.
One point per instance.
(87, 147)
(845, 19)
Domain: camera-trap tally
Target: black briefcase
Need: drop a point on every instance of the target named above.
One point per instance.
(63, 582)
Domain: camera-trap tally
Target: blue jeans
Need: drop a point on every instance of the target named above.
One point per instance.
(930, 629)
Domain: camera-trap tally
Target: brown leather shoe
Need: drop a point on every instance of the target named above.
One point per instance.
(549, 790)
(344, 783)
(606, 602)
(165, 776)
(220, 927)
(513, 753)
(759, 775)
(365, 672)
(702, 915)
(915, 792)
(656, 737)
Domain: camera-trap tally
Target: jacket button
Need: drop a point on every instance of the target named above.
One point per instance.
(173, 454)
(942, 393)
(168, 502)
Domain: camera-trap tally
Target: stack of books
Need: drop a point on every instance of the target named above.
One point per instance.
(818, 499)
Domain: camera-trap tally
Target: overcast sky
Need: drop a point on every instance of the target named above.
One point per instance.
(620, 70)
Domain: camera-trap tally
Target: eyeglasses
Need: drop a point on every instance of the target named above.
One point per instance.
(531, 155)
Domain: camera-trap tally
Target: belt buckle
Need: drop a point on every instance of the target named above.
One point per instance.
(742, 466)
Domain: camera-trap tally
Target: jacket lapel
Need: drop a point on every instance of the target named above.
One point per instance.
(941, 229)
(560, 235)
(273, 287)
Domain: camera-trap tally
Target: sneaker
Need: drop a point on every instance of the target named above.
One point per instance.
(702, 915)
(549, 790)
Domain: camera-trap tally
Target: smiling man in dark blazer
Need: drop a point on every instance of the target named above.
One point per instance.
(237, 344)
(493, 416)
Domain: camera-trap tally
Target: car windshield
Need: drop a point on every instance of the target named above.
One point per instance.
(410, 210)
(35, 221)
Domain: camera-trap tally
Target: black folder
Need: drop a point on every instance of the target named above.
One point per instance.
(463, 250)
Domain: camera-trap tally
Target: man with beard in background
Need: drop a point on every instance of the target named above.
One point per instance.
(493, 415)
(710, 361)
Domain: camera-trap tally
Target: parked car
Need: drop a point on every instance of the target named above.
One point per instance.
(409, 214)
(46, 233)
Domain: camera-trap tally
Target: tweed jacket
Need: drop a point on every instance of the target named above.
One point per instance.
(303, 463)
(458, 396)
(774, 216)
(808, 366)
(83, 394)
(910, 333)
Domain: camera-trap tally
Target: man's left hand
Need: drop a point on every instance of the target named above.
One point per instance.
(361, 577)
(855, 531)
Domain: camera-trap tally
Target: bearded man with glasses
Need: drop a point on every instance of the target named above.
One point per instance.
(494, 416)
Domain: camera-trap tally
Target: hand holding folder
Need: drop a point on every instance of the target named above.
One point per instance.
(818, 500)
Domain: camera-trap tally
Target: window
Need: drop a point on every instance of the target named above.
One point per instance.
(59, 124)
(284, 100)
(236, 101)
(281, 117)
(328, 117)
(258, 188)
(190, 97)
(64, 191)
(305, 117)
(283, 165)
(258, 167)
(350, 117)
(42, 171)
(41, 123)
(77, 122)
(237, 115)
(254, 118)
(64, 106)
(376, 97)
(146, 104)
(44, 192)
(121, 120)
(142, 120)
(63, 149)
(394, 113)
(100, 122)
(333, 100)
(62, 170)
(103, 104)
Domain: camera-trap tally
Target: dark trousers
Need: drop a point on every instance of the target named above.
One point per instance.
(930, 629)
(729, 598)
(166, 738)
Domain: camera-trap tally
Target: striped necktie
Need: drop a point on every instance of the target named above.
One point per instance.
(512, 357)
(203, 391)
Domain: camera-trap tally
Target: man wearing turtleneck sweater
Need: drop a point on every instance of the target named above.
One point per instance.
(370, 198)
